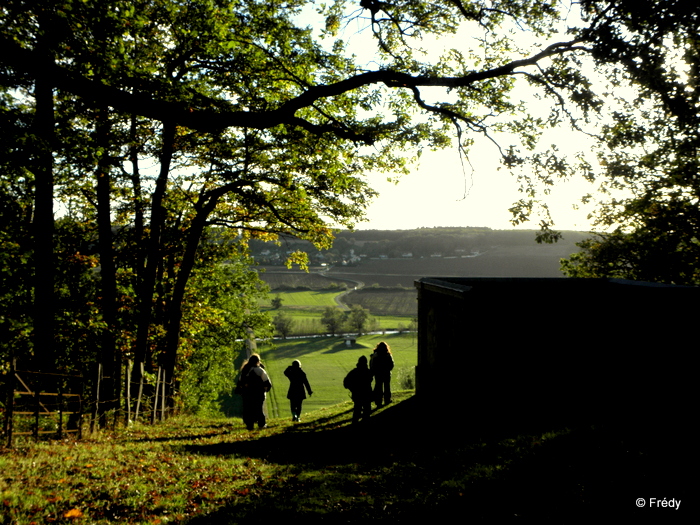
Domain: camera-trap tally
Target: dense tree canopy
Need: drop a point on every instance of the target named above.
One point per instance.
(650, 149)
(151, 122)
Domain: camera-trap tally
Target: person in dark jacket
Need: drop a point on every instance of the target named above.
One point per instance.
(253, 386)
(359, 382)
(381, 365)
(298, 386)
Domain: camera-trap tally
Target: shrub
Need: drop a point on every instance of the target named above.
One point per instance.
(405, 378)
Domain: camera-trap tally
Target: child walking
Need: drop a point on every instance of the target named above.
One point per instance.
(359, 382)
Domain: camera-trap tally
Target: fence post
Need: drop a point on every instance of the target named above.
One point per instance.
(138, 401)
(128, 392)
(162, 399)
(60, 409)
(10, 406)
(37, 404)
(80, 408)
(97, 398)
(155, 399)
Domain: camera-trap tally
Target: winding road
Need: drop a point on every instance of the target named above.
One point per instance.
(338, 298)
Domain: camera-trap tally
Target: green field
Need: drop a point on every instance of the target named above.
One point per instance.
(390, 309)
(310, 299)
(326, 361)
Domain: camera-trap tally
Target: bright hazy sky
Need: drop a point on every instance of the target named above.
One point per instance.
(434, 195)
(440, 191)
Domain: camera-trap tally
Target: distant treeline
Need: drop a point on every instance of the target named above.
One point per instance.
(350, 246)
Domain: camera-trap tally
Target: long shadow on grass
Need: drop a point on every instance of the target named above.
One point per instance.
(295, 348)
(340, 347)
(289, 350)
(399, 468)
(186, 437)
(323, 441)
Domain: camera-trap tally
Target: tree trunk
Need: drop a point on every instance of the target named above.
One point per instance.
(139, 257)
(174, 313)
(109, 357)
(153, 249)
(43, 222)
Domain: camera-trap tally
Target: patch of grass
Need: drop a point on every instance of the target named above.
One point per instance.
(317, 299)
(132, 476)
(405, 377)
(400, 466)
(393, 322)
(326, 361)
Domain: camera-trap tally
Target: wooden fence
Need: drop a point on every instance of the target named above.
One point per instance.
(40, 402)
(159, 408)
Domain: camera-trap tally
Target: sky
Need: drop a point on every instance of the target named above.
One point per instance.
(441, 191)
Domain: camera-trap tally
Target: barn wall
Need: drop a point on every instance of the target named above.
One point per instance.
(527, 351)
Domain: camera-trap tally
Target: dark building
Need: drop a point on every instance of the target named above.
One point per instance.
(556, 351)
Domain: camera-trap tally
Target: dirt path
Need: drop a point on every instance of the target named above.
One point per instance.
(338, 298)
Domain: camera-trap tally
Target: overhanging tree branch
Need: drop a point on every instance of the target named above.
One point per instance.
(97, 93)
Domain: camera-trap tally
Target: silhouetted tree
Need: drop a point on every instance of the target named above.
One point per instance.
(358, 317)
(283, 324)
(333, 319)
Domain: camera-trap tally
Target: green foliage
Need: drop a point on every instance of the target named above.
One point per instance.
(15, 275)
(665, 249)
(284, 324)
(220, 315)
(649, 150)
(305, 102)
(358, 318)
(276, 302)
(333, 319)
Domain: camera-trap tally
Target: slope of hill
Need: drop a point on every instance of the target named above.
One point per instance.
(505, 261)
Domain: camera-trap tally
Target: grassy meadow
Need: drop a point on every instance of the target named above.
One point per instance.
(306, 299)
(326, 361)
(400, 466)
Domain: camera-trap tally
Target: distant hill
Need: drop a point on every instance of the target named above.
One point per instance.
(506, 261)
(398, 258)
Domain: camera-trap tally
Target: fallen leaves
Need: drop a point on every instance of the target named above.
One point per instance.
(73, 513)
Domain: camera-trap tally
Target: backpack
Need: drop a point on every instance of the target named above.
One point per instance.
(350, 381)
(249, 383)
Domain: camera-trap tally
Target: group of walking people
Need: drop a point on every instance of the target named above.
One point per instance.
(359, 381)
(254, 383)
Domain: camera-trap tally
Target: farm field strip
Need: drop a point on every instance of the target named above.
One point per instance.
(306, 298)
(391, 310)
(385, 301)
(315, 279)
